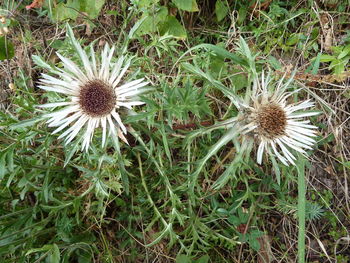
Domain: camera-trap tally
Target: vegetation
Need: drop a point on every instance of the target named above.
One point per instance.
(162, 198)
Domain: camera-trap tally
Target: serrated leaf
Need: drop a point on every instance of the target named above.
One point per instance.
(40, 62)
(221, 10)
(186, 5)
(26, 123)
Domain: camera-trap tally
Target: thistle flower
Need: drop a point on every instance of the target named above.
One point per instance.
(94, 94)
(275, 124)
(265, 117)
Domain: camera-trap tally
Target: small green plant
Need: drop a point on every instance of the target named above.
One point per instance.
(338, 60)
(246, 234)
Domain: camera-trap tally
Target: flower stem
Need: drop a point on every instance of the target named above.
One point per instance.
(301, 209)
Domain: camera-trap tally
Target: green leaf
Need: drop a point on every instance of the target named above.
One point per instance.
(92, 7)
(293, 39)
(66, 11)
(347, 164)
(274, 62)
(326, 58)
(242, 14)
(339, 69)
(202, 259)
(53, 249)
(242, 216)
(234, 220)
(239, 80)
(26, 123)
(172, 27)
(186, 5)
(345, 52)
(219, 51)
(226, 176)
(316, 64)
(146, 3)
(54, 256)
(254, 244)
(149, 23)
(7, 50)
(221, 10)
(182, 259)
(2, 165)
(40, 62)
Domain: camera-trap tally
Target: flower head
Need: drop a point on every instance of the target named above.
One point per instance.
(265, 117)
(94, 94)
(278, 126)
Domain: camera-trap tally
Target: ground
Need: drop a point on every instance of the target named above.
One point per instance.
(148, 201)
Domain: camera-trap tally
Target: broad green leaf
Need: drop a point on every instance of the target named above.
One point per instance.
(182, 259)
(202, 259)
(221, 10)
(92, 7)
(66, 11)
(7, 50)
(146, 3)
(186, 5)
(172, 27)
(150, 23)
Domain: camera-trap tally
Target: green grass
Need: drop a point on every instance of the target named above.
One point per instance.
(183, 190)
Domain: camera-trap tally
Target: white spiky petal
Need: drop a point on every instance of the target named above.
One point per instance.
(70, 81)
(297, 133)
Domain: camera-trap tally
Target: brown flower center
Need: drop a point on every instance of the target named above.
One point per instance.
(272, 121)
(96, 98)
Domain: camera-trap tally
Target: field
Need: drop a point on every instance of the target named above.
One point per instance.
(187, 131)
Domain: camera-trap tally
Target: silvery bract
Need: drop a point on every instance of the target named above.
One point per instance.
(266, 118)
(94, 94)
